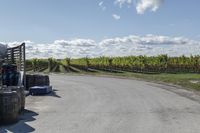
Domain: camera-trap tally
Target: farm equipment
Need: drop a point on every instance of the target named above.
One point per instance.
(12, 82)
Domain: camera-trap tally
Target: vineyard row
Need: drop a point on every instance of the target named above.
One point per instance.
(156, 64)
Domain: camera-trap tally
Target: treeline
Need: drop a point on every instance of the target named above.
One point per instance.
(151, 64)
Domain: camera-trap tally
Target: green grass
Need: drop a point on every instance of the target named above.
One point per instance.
(181, 79)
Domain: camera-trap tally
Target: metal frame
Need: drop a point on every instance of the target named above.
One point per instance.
(17, 56)
(1, 62)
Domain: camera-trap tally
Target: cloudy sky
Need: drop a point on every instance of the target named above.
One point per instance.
(79, 28)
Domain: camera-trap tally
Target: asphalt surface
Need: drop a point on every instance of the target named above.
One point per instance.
(87, 104)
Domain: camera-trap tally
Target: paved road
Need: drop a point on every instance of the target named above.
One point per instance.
(86, 104)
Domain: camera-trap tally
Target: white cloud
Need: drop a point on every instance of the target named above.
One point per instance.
(101, 5)
(76, 42)
(16, 43)
(122, 2)
(116, 17)
(149, 45)
(119, 46)
(143, 5)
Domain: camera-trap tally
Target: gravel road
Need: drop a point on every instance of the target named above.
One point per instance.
(88, 104)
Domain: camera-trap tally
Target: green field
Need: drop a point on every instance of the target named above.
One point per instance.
(183, 71)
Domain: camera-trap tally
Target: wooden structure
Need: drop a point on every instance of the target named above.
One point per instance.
(17, 56)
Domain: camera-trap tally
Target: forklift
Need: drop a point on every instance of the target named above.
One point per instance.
(12, 83)
(13, 67)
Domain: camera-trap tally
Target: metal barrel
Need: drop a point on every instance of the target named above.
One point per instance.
(21, 96)
(37, 80)
(9, 107)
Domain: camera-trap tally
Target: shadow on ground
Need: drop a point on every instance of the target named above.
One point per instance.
(21, 126)
(54, 94)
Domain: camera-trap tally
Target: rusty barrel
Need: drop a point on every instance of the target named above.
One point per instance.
(9, 107)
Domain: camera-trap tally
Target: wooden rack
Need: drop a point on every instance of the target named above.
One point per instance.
(17, 56)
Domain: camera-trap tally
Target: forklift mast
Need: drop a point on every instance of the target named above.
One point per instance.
(16, 56)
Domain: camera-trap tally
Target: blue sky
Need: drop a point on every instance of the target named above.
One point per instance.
(49, 20)
(44, 21)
